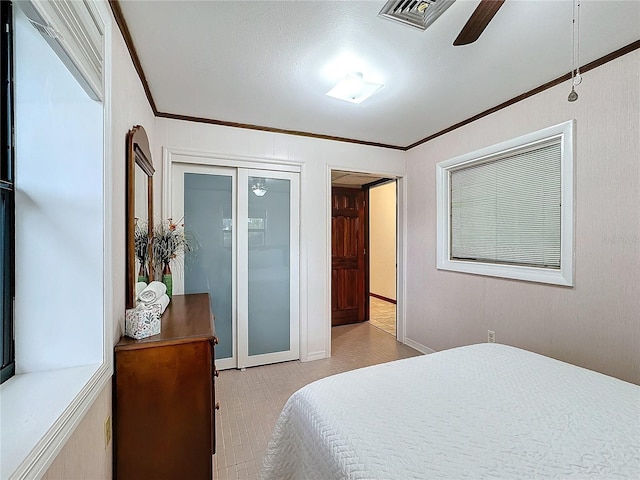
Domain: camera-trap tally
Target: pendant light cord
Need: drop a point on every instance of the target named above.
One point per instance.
(576, 78)
(575, 73)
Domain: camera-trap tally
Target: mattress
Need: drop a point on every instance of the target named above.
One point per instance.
(480, 411)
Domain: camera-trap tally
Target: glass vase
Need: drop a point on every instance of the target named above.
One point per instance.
(167, 279)
(143, 274)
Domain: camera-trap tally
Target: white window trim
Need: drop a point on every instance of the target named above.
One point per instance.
(564, 275)
(40, 410)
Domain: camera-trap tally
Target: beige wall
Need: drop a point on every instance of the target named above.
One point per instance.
(382, 240)
(85, 456)
(595, 324)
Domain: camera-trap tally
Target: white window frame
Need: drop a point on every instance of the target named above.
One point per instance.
(42, 408)
(562, 276)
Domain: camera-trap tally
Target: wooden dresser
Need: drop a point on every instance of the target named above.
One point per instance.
(164, 397)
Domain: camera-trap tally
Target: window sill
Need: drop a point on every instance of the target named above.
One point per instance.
(39, 412)
(561, 277)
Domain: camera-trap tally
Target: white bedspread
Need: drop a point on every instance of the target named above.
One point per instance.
(482, 411)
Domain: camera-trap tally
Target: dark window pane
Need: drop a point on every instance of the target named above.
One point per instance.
(6, 98)
(6, 281)
(3, 232)
(7, 215)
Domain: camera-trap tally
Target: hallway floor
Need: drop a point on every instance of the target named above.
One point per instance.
(382, 314)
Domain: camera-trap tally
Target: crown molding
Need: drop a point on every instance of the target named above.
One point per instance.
(126, 35)
(567, 76)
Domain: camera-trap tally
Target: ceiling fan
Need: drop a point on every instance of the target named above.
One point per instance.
(422, 13)
(478, 21)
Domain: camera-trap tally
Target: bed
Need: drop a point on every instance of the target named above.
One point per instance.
(480, 411)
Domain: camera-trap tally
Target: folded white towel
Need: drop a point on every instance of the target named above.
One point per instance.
(153, 292)
(140, 286)
(163, 302)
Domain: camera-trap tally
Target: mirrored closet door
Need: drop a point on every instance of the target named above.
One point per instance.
(244, 224)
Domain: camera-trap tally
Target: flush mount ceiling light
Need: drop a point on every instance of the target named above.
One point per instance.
(259, 188)
(354, 88)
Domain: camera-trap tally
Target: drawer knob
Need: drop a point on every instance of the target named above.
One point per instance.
(217, 405)
(215, 340)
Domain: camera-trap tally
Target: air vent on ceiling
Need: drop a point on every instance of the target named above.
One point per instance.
(415, 13)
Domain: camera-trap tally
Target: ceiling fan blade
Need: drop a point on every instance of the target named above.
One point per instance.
(478, 21)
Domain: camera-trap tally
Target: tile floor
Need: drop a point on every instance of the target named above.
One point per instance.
(251, 401)
(382, 314)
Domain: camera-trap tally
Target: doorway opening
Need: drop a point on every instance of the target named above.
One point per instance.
(364, 250)
(382, 256)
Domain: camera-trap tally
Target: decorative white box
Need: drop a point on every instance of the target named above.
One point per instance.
(142, 321)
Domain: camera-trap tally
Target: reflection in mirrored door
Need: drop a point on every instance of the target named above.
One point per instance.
(205, 196)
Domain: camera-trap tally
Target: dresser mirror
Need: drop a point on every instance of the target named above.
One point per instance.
(139, 210)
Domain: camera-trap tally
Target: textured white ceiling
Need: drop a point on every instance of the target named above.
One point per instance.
(269, 63)
(350, 179)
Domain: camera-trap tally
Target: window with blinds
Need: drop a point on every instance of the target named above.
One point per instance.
(507, 210)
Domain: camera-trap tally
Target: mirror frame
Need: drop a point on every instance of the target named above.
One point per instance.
(138, 154)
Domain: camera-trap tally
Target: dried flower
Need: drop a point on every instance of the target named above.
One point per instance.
(141, 241)
(169, 240)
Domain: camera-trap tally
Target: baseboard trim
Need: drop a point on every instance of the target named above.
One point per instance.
(380, 297)
(314, 356)
(418, 346)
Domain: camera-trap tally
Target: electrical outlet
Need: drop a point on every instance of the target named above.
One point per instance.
(491, 336)
(107, 431)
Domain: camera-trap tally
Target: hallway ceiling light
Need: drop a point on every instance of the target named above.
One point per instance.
(259, 187)
(354, 88)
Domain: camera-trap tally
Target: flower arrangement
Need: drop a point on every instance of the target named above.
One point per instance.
(141, 247)
(169, 240)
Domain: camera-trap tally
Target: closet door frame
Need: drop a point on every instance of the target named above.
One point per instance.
(178, 157)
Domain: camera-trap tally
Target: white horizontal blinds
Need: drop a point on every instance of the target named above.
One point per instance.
(507, 210)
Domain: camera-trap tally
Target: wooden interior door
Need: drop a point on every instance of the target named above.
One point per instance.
(349, 301)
